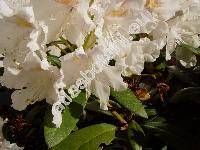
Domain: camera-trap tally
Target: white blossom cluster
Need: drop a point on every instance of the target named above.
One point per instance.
(27, 26)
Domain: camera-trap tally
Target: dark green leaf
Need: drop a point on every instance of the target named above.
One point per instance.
(151, 112)
(70, 117)
(168, 133)
(54, 60)
(1, 71)
(89, 41)
(133, 129)
(88, 138)
(129, 101)
(187, 94)
(191, 48)
(136, 127)
(135, 145)
(161, 66)
(155, 122)
(95, 106)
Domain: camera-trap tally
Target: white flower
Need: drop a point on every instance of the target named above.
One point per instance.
(51, 16)
(9, 8)
(1, 60)
(31, 25)
(36, 81)
(144, 50)
(114, 25)
(98, 83)
(184, 29)
(78, 24)
(163, 9)
(18, 36)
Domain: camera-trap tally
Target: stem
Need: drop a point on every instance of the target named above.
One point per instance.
(118, 117)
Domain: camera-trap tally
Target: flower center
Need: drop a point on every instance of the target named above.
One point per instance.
(151, 4)
(118, 13)
(67, 2)
(23, 22)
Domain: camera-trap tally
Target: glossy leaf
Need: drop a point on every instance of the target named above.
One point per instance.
(187, 94)
(130, 101)
(88, 138)
(71, 115)
(135, 145)
(54, 60)
(136, 127)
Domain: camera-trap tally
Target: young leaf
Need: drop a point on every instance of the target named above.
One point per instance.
(54, 60)
(95, 107)
(161, 66)
(136, 127)
(89, 41)
(135, 145)
(88, 138)
(134, 130)
(129, 101)
(191, 48)
(158, 127)
(151, 112)
(70, 117)
(187, 94)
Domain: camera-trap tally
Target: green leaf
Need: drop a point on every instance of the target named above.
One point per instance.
(151, 112)
(191, 48)
(161, 66)
(158, 127)
(70, 117)
(90, 41)
(95, 107)
(164, 148)
(54, 60)
(135, 145)
(88, 138)
(129, 101)
(155, 123)
(1, 71)
(134, 131)
(187, 94)
(136, 127)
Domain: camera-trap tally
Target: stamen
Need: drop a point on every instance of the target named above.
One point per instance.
(23, 23)
(67, 2)
(152, 4)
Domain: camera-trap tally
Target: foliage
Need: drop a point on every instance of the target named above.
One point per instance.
(71, 116)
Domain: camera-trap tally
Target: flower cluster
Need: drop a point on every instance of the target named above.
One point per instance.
(47, 45)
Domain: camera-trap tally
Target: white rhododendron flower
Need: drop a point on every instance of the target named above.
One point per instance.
(163, 9)
(18, 35)
(29, 27)
(32, 82)
(184, 29)
(78, 24)
(78, 66)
